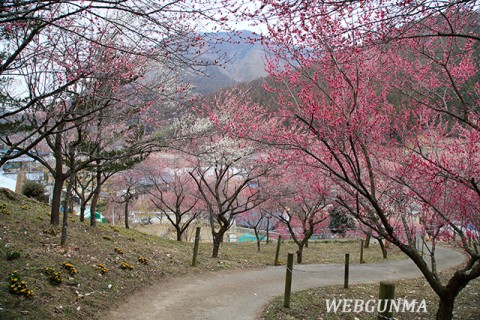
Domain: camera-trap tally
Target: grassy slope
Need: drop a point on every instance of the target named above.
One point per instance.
(25, 228)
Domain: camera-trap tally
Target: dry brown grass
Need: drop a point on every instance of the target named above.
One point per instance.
(311, 304)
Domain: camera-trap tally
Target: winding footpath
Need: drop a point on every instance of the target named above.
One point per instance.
(240, 295)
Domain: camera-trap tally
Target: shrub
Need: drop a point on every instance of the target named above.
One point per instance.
(12, 255)
(143, 260)
(34, 190)
(340, 222)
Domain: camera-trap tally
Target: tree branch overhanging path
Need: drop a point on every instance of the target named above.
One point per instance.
(242, 294)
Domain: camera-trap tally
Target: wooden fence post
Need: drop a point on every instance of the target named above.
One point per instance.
(288, 281)
(195, 247)
(277, 254)
(347, 263)
(361, 252)
(386, 294)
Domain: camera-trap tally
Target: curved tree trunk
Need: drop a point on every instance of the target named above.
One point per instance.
(366, 245)
(384, 250)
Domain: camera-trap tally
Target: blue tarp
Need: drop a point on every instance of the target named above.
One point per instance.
(246, 237)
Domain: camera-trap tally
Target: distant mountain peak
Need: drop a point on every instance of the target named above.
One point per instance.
(243, 59)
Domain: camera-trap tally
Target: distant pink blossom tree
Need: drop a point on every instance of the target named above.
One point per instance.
(174, 194)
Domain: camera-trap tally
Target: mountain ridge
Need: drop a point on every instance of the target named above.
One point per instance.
(242, 56)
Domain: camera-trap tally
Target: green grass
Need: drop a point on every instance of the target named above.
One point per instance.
(25, 229)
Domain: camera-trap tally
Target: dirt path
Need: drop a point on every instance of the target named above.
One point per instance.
(240, 295)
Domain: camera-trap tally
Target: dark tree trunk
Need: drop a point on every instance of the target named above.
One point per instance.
(58, 181)
(177, 224)
(68, 198)
(268, 231)
(300, 254)
(445, 308)
(179, 233)
(63, 239)
(126, 214)
(93, 210)
(95, 197)
(56, 201)
(257, 236)
(384, 250)
(82, 211)
(366, 245)
(217, 240)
